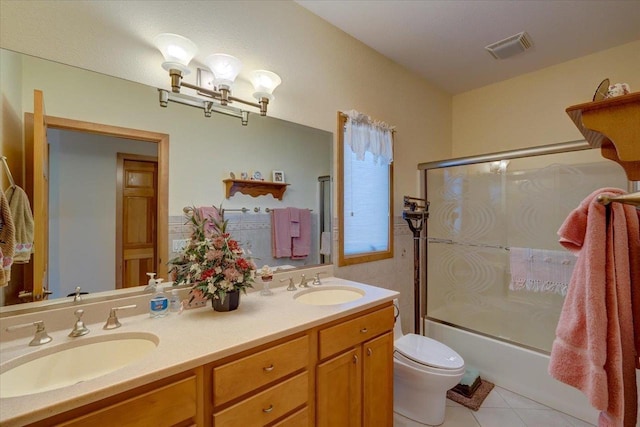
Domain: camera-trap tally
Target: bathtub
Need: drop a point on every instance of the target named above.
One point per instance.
(514, 368)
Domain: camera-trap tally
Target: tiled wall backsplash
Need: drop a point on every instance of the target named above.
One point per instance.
(253, 231)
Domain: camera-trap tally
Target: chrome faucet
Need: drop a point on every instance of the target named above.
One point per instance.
(304, 282)
(79, 329)
(41, 336)
(316, 278)
(77, 297)
(291, 286)
(112, 320)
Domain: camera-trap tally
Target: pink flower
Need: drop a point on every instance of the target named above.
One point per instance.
(214, 255)
(218, 242)
(231, 274)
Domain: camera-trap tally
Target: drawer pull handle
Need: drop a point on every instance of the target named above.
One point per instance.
(364, 330)
(269, 409)
(355, 359)
(268, 368)
(369, 351)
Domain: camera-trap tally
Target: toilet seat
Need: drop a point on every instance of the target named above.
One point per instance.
(428, 352)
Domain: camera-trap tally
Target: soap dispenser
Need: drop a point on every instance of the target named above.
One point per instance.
(151, 284)
(159, 304)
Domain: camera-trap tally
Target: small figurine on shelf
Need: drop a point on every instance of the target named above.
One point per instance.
(266, 274)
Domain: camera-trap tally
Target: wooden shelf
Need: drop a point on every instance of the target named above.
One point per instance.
(613, 125)
(255, 188)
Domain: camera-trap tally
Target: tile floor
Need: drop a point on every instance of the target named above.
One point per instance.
(502, 408)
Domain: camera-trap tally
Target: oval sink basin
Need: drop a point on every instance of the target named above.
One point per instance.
(329, 295)
(71, 363)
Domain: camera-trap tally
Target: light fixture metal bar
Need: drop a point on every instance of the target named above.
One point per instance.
(203, 104)
(218, 95)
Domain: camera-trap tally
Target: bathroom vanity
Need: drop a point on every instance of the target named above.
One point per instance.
(275, 361)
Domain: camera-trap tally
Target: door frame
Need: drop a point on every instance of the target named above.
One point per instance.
(162, 139)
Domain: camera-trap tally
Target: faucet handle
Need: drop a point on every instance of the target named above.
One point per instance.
(41, 336)
(303, 282)
(112, 321)
(316, 279)
(78, 295)
(291, 286)
(79, 329)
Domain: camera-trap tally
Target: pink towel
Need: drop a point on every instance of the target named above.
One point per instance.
(280, 233)
(212, 215)
(596, 347)
(301, 246)
(294, 216)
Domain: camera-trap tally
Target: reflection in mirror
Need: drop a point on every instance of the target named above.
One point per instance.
(203, 152)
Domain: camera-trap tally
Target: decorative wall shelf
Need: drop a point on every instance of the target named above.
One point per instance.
(613, 125)
(254, 188)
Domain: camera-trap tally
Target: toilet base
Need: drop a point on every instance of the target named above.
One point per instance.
(425, 408)
(421, 394)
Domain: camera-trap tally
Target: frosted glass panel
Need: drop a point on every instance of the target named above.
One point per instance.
(486, 223)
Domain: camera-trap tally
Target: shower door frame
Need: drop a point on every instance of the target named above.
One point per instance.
(563, 147)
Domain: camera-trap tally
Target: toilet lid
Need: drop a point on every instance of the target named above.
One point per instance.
(427, 351)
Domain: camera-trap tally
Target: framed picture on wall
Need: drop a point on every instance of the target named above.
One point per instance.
(278, 176)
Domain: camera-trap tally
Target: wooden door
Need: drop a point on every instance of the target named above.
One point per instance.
(377, 356)
(136, 228)
(339, 397)
(37, 187)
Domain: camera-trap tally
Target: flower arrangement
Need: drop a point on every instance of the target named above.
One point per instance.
(212, 263)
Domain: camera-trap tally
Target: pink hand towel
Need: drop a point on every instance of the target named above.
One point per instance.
(280, 233)
(595, 346)
(301, 246)
(294, 216)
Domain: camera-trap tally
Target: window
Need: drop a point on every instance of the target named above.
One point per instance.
(365, 189)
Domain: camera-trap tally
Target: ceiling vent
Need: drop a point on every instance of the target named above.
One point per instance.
(510, 46)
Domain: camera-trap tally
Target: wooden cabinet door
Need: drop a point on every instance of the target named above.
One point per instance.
(377, 356)
(136, 225)
(339, 396)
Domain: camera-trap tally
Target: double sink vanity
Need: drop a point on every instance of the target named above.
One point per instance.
(320, 356)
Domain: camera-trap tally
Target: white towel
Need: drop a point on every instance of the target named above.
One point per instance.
(23, 223)
(540, 270)
(325, 243)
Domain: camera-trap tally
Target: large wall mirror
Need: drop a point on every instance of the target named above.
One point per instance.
(83, 169)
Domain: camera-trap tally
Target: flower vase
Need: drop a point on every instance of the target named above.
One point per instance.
(230, 302)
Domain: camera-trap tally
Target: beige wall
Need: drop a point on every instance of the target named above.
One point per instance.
(529, 110)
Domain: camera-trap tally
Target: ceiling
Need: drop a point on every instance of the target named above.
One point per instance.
(444, 40)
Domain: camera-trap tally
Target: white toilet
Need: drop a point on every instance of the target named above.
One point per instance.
(424, 369)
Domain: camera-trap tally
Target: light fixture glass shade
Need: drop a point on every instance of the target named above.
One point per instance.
(264, 82)
(225, 68)
(177, 50)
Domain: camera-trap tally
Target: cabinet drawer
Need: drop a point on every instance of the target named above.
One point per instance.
(298, 419)
(267, 405)
(167, 406)
(236, 378)
(355, 331)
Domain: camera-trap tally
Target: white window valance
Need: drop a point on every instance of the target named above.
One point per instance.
(363, 135)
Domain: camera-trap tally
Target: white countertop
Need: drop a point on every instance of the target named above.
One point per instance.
(188, 340)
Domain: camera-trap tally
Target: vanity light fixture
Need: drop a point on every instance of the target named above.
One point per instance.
(215, 83)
